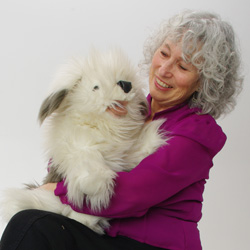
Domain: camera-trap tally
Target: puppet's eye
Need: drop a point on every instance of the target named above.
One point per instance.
(96, 88)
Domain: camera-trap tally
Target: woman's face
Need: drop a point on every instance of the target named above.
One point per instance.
(171, 80)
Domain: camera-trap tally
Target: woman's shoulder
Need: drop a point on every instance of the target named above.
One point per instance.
(183, 116)
(192, 119)
(201, 128)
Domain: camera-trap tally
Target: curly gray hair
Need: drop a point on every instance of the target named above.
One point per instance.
(209, 44)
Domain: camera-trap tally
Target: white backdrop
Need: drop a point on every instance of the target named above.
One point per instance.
(36, 36)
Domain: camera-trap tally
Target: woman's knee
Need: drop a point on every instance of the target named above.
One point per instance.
(26, 215)
(25, 226)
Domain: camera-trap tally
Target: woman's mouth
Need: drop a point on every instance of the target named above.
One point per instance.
(161, 85)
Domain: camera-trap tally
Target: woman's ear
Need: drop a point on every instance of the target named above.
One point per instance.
(51, 103)
(198, 86)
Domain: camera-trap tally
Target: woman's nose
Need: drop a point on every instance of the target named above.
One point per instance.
(166, 69)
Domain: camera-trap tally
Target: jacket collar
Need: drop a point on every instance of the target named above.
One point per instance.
(166, 111)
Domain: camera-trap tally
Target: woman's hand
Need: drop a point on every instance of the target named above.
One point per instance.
(49, 186)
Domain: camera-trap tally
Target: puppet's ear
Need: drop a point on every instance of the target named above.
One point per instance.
(51, 103)
(67, 77)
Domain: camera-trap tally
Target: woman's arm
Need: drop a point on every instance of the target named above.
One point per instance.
(49, 186)
(158, 177)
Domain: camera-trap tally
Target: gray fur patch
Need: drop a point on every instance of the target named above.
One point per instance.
(32, 185)
(51, 103)
(52, 175)
(144, 108)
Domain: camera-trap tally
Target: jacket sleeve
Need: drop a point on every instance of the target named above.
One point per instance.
(158, 177)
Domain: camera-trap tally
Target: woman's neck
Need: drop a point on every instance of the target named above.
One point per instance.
(157, 107)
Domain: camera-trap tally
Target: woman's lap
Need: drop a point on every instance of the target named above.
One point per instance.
(41, 230)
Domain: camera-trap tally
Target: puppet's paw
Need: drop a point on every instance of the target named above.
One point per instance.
(97, 188)
(95, 223)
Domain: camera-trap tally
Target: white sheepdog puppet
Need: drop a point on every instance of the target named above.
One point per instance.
(85, 142)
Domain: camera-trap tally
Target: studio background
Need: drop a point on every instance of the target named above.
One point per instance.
(37, 36)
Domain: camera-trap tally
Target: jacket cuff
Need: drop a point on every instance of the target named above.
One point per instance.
(61, 189)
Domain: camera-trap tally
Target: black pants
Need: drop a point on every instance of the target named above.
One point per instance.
(41, 230)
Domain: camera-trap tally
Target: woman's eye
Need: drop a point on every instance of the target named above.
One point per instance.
(164, 53)
(182, 67)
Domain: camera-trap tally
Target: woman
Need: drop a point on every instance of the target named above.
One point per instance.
(193, 66)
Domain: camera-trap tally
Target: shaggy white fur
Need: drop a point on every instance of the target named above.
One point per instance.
(87, 144)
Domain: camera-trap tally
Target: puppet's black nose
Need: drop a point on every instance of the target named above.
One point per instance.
(126, 86)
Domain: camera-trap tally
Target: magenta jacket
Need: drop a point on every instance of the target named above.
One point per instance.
(159, 202)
